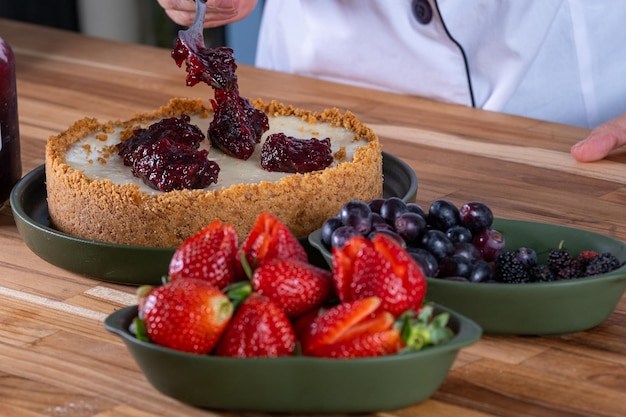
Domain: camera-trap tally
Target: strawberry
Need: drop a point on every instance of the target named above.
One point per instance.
(303, 321)
(359, 328)
(377, 321)
(270, 238)
(330, 325)
(353, 329)
(259, 328)
(365, 345)
(210, 254)
(587, 256)
(294, 285)
(343, 265)
(381, 268)
(188, 315)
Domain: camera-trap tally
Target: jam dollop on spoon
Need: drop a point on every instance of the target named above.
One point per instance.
(237, 126)
(214, 66)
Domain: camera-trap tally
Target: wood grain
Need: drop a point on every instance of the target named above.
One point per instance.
(56, 359)
(521, 154)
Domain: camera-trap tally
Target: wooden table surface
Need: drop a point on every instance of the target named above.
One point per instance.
(56, 359)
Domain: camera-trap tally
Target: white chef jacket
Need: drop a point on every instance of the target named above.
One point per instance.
(556, 60)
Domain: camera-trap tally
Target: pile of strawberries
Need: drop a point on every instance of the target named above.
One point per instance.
(264, 299)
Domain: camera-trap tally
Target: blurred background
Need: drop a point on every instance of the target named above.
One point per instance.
(135, 21)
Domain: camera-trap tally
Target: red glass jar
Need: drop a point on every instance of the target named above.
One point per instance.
(10, 158)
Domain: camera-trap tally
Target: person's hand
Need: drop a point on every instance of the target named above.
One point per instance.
(602, 140)
(218, 12)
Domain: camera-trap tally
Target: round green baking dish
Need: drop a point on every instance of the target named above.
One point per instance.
(135, 265)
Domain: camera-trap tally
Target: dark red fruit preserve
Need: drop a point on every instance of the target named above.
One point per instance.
(284, 153)
(10, 161)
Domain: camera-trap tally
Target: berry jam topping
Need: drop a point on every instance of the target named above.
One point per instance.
(237, 126)
(179, 129)
(214, 66)
(284, 153)
(168, 165)
(166, 156)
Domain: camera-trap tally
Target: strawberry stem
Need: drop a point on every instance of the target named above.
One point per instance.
(247, 269)
(423, 330)
(143, 291)
(138, 328)
(238, 292)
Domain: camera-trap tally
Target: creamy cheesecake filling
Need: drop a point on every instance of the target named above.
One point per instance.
(95, 155)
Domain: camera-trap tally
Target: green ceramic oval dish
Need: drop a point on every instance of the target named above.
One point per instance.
(135, 265)
(296, 384)
(107, 261)
(536, 308)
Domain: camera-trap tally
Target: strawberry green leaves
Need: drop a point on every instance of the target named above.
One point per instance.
(422, 330)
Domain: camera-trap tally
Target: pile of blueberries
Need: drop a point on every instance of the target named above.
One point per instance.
(449, 242)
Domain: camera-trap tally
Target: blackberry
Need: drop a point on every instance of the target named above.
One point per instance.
(510, 270)
(571, 270)
(558, 259)
(605, 262)
(541, 273)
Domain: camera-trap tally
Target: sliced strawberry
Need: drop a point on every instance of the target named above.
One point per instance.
(270, 238)
(361, 329)
(400, 282)
(368, 344)
(188, 315)
(259, 328)
(377, 321)
(210, 255)
(330, 326)
(378, 268)
(294, 285)
(350, 330)
(343, 264)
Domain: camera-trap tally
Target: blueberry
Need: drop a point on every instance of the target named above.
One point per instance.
(443, 214)
(476, 216)
(437, 243)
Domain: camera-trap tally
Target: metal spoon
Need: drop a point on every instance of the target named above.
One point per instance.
(193, 37)
(215, 66)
